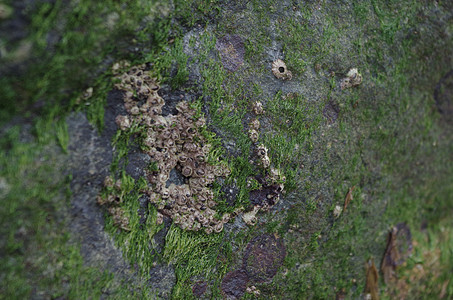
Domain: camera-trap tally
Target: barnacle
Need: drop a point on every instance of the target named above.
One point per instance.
(353, 78)
(258, 108)
(254, 135)
(123, 122)
(250, 217)
(255, 124)
(280, 70)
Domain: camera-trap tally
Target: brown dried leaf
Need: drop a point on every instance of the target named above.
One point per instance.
(399, 247)
(348, 198)
(388, 265)
(372, 278)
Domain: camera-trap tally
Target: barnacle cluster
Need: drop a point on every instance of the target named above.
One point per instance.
(266, 187)
(173, 142)
(353, 78)
(112, 201)
(280, 70)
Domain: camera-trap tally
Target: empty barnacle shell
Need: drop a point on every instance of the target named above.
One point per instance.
(211, 204)
(261, 150)
(218, 227)
(200, 172)
(187, 171)
(208, 230)
(280, 70)
(191, 130)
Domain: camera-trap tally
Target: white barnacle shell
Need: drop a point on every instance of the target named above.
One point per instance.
(280, 70)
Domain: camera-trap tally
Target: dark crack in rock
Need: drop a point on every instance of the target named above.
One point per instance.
(232, 51)
(263, 257)
(443, 95)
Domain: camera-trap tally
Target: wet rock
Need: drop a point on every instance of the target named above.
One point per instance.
(234, 284)
(90, 156)
(232, 51)
(263, 257)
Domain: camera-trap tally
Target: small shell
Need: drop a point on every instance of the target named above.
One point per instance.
(280, 70)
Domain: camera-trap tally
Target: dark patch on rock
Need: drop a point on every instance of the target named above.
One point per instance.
(443, 95)
(232, 51)
(266, 195)
(115, 107)
(331, 111)
(176, 177)
(259, 197)
(234, 284)
(199, 288)
(137, 163)
(230, 193)
(172, 98)
(263, 257)
(403, 242)
(143, 210)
